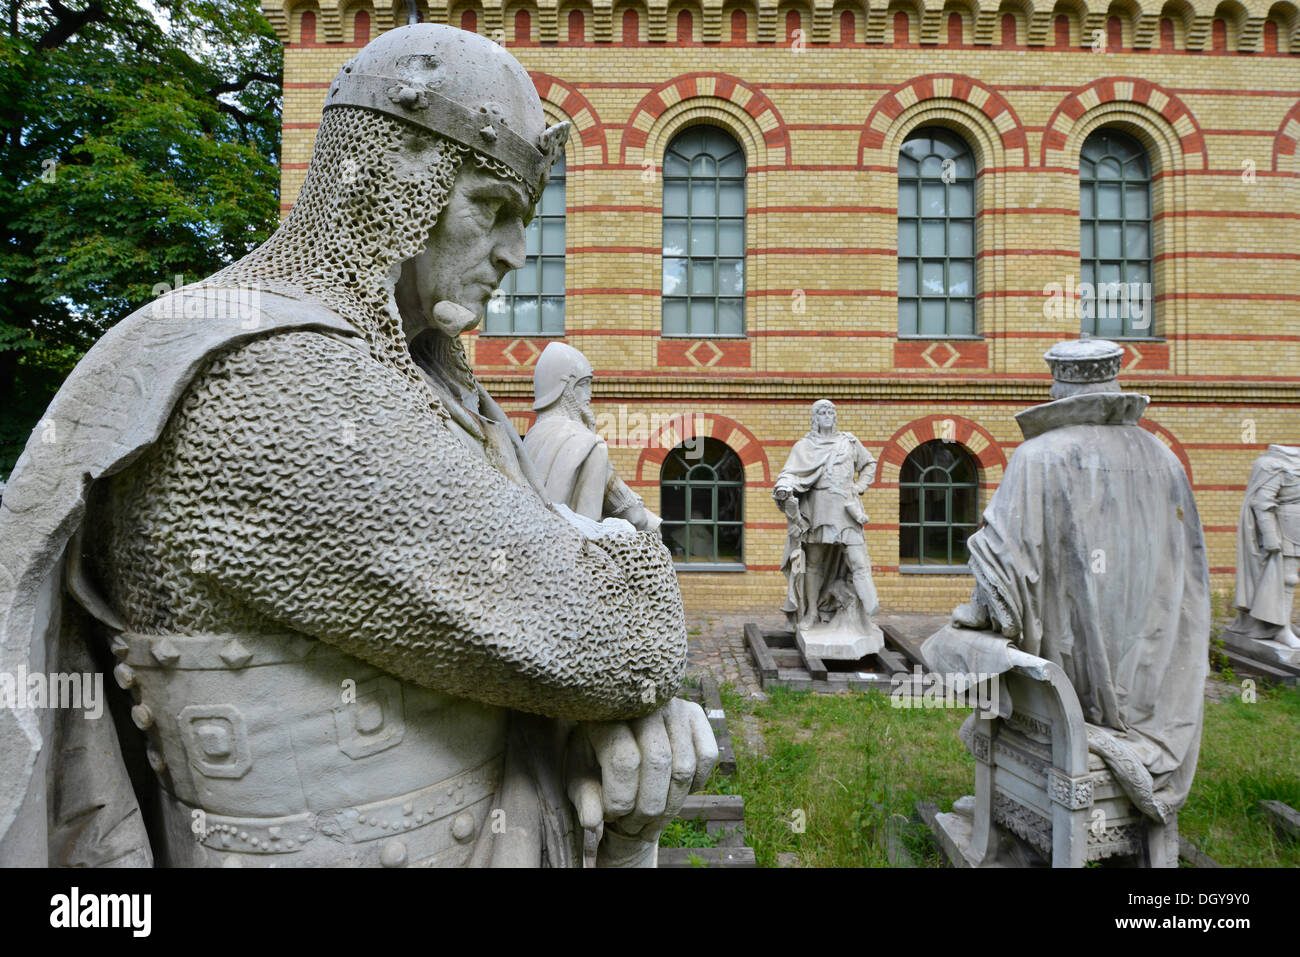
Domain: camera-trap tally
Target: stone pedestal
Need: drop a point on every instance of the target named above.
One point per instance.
(830, 642)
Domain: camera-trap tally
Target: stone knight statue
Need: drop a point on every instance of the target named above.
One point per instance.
(831, 597)
(280, 508)
(1268, 551)
(571, 459)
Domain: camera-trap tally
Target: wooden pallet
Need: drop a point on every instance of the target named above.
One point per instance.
(781, 664)
(724, 817)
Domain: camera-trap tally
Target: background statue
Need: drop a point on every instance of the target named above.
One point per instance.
(313, 553)
(571, 459)
(1092, 557)
(831, 597)
(1268, 550)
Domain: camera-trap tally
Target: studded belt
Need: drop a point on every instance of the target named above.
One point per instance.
(433, 826)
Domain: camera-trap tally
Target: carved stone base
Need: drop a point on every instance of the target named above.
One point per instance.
(830, 643)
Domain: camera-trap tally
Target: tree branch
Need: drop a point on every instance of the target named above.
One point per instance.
(68, 23)
(236, 86)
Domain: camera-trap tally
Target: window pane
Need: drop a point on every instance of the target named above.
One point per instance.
(553, 237)
(961, 278)
(907, 199)
(525, 317)
(961, 239)
(702, 317)
(1135, 202)
(526, 279)
(731, 277)
(1085, 202)
(704, 201)
(553, 315)
(961, 318)
(1087, 249)
(1108, 241)
(733, 165)
(961, 199)
(532, 237)
(675, 538)
(907, 317)
(932, 317)
(1108, 169)
(731, 317)
(553, 276)
(729, 543)
(1135, 241)
(932, 279)
(731, 241)
(932, 199)
(907, 237)
(1108, 196)
(674, 317)
(731, 199)
(674, 165)
(906, 277)
(703, 236)
(674, 276)
(553, 198)
(702, 277)
(932, 167)
(704, 165)
(674, 237)
(674, 199)
(936, 546)
(932, 238)
(906, 165)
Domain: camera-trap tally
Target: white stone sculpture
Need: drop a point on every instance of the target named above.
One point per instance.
(1268, 553)
(830, 597)
(1091, 560)
(571, 459)
(352, 630)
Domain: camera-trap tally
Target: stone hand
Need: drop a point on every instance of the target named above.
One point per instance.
(635, 775)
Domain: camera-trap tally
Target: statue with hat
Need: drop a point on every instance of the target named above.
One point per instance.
(348, 626)
(1091, 557)
(571, 459)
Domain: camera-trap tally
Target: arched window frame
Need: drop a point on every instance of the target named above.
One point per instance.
(1115, 240)
(920, 187)
(542, 276)
(961, 497)
(703, 290)
(712, 483)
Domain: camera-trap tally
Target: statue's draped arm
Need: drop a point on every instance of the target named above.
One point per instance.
(335, 502)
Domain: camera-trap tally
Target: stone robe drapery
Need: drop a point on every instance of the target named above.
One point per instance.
(572, 463)
(1260, 591)
(1092, 556)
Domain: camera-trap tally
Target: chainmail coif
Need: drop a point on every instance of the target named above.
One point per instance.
(301, 484)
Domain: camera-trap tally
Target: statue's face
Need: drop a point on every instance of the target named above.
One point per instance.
(825, 418)
(582, 391)
(478, 239)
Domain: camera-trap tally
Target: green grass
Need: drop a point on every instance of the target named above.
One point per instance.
(850, 762)
(681, 833)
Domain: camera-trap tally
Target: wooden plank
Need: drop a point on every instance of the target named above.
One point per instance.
(1257, 651)
(763, 660)
(712, 702)
(707, 856)
(1283, 818)
(713, 807)
(900, 644)
(780, 639)
(1258, 669)
(893, 661)
(816, 667)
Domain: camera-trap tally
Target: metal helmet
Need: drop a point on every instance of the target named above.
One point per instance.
(558, 364)
(459, 85)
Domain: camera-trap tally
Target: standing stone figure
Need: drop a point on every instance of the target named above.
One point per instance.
(1268, 550)
(831, 597)
(1092, 557)
(280, 507)
(571, 459)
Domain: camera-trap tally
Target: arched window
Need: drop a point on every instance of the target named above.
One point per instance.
(630, 26)
(701, 494)
(361, 27)
(938, 504)
(936, 235)
(704, 235)
(530, 301)
(1115, 235)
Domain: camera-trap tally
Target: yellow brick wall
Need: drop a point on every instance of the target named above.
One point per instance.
(820, 126)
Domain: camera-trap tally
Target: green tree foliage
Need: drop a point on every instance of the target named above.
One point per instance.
(139, 143)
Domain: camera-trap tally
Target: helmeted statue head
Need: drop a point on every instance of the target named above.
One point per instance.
(410, 120)
(559, 368)
(1084, 365)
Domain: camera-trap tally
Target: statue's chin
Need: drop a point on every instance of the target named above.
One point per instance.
(451, 318)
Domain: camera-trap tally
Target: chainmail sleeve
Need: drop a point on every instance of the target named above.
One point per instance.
(328, 498)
